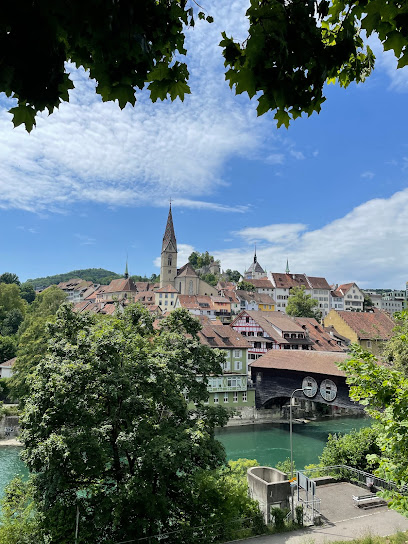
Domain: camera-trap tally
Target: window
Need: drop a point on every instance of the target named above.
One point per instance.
(238, 365)
(226, 365)
(259, 334)
(235, 397)
(172, 295)
(169, 260)
(369, 343)
(237, 353)
(251, 333)
(225, 397)
(160, 295)
(216, 398)
(257, 345)
(232, 382)
(244, 396)
(243, 333)
(247, 319)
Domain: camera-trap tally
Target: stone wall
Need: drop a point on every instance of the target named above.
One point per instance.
(9, 427)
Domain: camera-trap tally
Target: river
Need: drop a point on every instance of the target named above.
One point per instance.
(267, 443)
(270, 443)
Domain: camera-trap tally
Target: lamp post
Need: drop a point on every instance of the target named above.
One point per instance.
(291, 440)
(290, 426)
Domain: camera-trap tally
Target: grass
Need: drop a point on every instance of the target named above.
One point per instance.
(398, 538)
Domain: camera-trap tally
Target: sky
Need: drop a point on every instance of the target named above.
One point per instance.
(91, 184)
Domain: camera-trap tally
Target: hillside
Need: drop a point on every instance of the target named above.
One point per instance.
(97, 275)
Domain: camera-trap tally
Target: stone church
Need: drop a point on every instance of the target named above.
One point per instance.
(184, 279)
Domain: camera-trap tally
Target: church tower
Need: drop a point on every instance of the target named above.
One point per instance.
(168, 267)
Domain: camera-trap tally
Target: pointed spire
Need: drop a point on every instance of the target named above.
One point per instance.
(169, 236)
(255, 254)
(126, 269)
(287, 266)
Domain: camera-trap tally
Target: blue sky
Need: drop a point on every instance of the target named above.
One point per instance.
(91, 183)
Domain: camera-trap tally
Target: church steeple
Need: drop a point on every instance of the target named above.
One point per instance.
(126, 270)
(255, 255)
(287, 266)
(168, 267)
(169, 236)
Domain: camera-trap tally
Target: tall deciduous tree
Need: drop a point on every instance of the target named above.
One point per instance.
(9, 277)
(301, 304)
(127, 45)
(384, 393)
(33, 339)
(116, 425)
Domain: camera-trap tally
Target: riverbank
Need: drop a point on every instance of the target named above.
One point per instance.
(10, 442)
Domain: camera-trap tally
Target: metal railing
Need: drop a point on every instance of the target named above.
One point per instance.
(356, 475)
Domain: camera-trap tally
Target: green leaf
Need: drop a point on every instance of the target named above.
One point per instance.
(179, 89)
(403, 61)
(282, 117)
(23, 115)
(395, 41)
(124, 94)
(264, 105)
(245, 81)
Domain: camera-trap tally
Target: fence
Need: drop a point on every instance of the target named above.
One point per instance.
(355, 475)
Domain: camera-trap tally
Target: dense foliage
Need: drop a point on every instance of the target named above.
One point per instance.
(96, 275)
(301, 304)
(357, 449)
(128, 45)
(199, 260)
(107, 427)
(383, 391)
(233, 275)
(32, 339)
(245, 286)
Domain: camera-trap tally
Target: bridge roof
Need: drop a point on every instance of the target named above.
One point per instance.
(317, 362)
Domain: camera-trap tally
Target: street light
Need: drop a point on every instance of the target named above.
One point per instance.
(291, 440)
(290, 426)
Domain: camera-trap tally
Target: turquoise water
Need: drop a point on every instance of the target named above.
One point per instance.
(270, 443)
(10, 465)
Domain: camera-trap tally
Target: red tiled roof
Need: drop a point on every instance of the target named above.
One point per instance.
(345, 287)
(121, 285)
(167, 289)
(9, 363)
(321, 338)
(186, 270)
(221, 336)
(318, 362)
(195, 302)
(287, 281)
(376, 325)
(318, 283)
(262, 283)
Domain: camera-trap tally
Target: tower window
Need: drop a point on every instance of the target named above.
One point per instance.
(169, 260)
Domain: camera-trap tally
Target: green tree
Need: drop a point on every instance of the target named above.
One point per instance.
(8, 277)
(19, 523)
(198, 260)
(285, 69)
(396, 349)
(384, 393)
(245, 286)
(233, 275)
(8, 348)
(27, 292)
(356, 449)
(367, 303)
(212, 279)
(12, 321)
(108, 428)
(33, 339)
(301, 304)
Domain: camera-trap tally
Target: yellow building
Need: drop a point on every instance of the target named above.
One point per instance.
(368, 329)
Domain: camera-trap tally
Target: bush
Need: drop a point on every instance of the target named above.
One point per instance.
(278, 515)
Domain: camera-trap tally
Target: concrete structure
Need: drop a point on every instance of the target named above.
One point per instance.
(270, 487)
(369, 329)
(353, 297)
(166, 298)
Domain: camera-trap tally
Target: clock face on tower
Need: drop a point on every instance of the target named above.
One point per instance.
(309, 386)
(328, 390)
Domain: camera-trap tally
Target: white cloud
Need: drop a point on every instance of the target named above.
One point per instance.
(298, 155)
(367, 246)
(386, 61)
(367, 174)
(85, 240)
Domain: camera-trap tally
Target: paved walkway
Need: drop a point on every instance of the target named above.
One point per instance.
(342, 520)
(10, 442)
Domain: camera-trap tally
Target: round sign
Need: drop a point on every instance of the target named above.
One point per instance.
(309, 386)
(328, 390)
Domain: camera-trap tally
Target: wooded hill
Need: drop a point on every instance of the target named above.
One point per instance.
(97, 275)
